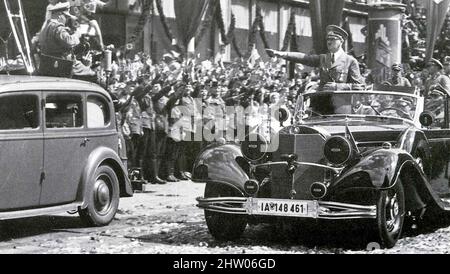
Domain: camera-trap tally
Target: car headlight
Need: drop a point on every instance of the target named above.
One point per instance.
(254, 147)
(338, 150)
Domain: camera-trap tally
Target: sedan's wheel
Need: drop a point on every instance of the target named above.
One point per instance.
(222, 226)
(102, 198)
(390, 215)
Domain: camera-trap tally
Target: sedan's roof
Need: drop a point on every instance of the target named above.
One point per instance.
(10, 83)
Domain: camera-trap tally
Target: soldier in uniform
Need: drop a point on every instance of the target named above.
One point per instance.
(56, 43)
(214, 112)
(338, 70)
(436, 78)
(182, 130)
(133, 119)
(447, 65)
(158, 132)
(397, 78)
(146, 145)
(174, 135)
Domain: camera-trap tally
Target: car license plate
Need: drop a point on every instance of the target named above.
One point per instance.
(281, 207)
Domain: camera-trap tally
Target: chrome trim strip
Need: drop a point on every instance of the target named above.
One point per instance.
(336, 170)
(270, 164)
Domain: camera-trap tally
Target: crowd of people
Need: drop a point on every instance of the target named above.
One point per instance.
(210, 94)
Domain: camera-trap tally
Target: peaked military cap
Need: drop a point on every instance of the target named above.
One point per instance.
(336, 32)
(63, 7)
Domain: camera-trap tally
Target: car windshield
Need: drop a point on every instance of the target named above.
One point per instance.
(325, 104)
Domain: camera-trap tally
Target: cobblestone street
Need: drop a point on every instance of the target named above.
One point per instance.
(166, 220)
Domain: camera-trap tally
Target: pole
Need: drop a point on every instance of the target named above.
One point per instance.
(384, 38)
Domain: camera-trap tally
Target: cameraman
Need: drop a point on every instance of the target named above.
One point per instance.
(56, 43)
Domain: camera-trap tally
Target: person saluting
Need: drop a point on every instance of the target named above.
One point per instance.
(338, 70)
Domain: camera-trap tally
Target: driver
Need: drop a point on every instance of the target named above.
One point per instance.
(359, 108)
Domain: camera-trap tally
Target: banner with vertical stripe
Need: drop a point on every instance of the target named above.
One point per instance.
(436, 12)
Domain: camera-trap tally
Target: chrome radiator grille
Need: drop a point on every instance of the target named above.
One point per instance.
(309, 148)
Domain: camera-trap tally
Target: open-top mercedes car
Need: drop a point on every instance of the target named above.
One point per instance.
(376, 155)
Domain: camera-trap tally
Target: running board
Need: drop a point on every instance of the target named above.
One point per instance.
(38, 211)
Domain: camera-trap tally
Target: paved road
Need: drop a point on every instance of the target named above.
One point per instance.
(166, 220)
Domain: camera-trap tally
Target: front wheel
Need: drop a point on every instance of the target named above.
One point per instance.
(102, 198)
(222, 226)
(390, 215)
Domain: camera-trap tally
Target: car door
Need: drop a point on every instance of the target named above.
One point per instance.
(64, 146)
(21, 150)
(438, 135)
(101, 127)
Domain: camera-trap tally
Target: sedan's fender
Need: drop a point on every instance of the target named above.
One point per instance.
(100, 156)
(217, 164)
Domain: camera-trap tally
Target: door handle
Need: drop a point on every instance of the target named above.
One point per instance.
(85, 141)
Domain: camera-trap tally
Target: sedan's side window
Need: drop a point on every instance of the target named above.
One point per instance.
(63, 111)
(19, 112)
(98, 112)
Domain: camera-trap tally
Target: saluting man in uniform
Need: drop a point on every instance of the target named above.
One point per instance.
(338, 70)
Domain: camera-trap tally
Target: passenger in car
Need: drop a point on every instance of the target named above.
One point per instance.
(397, 78)
(436, 80)
(338, 70)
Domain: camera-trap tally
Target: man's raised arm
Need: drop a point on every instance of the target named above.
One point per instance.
(311, 60)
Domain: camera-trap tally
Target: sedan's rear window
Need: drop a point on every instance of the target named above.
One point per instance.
(19, 112)
(97, 112)
(63, 111)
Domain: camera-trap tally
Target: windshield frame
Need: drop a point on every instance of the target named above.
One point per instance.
(299, 111)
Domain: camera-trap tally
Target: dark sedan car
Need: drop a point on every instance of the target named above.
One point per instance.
(375, 155)
(59, 149)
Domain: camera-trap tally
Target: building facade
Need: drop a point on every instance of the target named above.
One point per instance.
(119, 19)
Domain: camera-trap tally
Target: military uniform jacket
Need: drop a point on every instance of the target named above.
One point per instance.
(55, 40)
(133, 118)
(344, 69)
(147, 114)
(400, 82)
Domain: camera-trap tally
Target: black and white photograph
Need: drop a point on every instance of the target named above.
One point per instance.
(250, 128)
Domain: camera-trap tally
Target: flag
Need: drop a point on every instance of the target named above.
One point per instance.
(189, 14)
(436, 12)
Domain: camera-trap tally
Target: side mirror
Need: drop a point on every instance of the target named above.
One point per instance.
(426, 118)
(283, 115)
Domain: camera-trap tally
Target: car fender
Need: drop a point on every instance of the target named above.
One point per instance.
(217, 164)
(414, 141)
(99, 156)
(382, 166)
